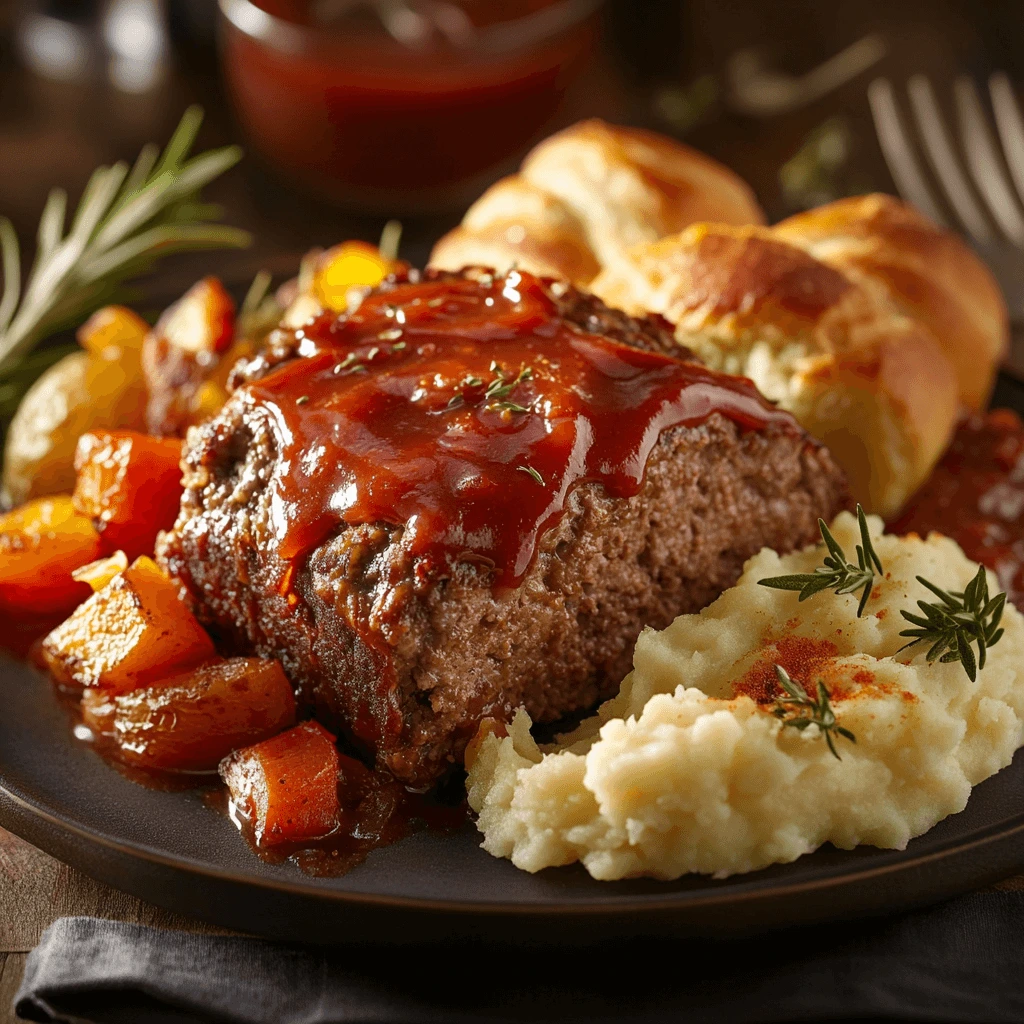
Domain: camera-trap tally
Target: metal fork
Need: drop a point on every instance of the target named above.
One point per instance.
(980, 187)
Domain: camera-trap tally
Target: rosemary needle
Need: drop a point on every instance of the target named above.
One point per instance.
(837, 573)
(126, 219)
(798, 710)
(957, 620)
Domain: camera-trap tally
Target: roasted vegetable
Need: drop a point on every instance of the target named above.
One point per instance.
(344, 267)
(99, 573)
(192, 721)
(130, 486)
(184, 351)
(101, 388)
(287, 786)
(133, 632)
(127, 219)
(41, 543)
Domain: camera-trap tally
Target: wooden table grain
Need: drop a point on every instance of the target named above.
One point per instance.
(36, 889)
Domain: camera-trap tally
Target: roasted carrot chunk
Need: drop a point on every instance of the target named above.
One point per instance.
(41, 544)
(130, 486)
(192, 721)
(133, 632)
(287, 786)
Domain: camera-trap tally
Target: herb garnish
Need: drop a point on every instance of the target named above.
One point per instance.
(815, 712)
(529, 469)
(962, 618)
(837, 573)
(126, 219)
(501, 387)
(351, 363)
(496, 395)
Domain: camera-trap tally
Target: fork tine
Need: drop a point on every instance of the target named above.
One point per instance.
(943, 160)
(984, 163)
(1011, 126)
(898, 150)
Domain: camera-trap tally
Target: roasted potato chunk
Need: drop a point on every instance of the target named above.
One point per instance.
(287, 786)
(133, 632)
(183, 352)
(41, 544)
(130, 486)
(192, 721)
(101, 387)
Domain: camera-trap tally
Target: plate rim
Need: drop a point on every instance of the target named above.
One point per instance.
(751, 889)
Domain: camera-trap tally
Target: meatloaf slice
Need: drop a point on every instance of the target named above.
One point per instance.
(405, 655)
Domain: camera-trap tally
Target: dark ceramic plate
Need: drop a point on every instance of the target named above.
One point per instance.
(171, 849)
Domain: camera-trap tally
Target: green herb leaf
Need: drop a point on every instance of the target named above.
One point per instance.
(837, 574)
(957, 620)
(125, 221)
(799, 711)
(532, 472)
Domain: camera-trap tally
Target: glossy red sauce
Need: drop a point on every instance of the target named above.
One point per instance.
(386, 418)
(382, 813)
(976, 496)
(351, 113)
(377, 810)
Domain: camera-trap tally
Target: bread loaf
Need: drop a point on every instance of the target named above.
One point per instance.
(862, 318)
(587, 195)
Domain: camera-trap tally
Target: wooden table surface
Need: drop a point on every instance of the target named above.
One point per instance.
(55, 133)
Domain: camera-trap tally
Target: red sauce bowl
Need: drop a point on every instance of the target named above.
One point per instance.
(350, 112)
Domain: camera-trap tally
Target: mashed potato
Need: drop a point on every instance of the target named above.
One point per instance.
(688, 770)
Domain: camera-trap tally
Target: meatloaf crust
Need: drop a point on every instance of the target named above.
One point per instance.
(461, 650)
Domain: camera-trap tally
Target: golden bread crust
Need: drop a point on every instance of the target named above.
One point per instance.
(834, 348)
(588, 194)
(930, 274)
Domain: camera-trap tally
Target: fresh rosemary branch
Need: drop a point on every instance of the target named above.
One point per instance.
(126, 219)
(837, 573)
(956, 621)
(815, 712)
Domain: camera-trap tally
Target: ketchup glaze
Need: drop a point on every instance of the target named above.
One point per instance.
(466, 411)
(976, 496)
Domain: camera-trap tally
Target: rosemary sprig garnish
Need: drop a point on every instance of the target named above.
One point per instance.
(957, 620)
(798, 710)
(837, 573)
(126, 219)
(532, 472)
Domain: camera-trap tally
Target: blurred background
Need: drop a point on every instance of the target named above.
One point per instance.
(352, 111)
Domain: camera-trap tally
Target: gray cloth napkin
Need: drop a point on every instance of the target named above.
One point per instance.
(962, 961)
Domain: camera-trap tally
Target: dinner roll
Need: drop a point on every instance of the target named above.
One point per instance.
(930, 274)
(834, 347)
(586, 195)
